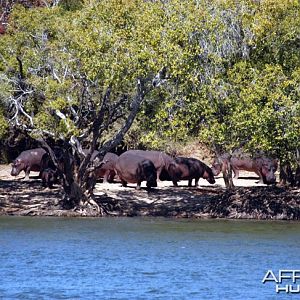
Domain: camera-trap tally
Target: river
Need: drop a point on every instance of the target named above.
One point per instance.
(143, 258)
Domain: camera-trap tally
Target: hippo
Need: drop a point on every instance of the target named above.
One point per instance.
(192, 168)
(162, 162)
(135, 169)
(107, 170)
(49, 177)
(46, 163)
(264, 167)
(49, 171)
(28, 160)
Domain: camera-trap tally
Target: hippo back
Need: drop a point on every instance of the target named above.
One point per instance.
(194, 168)
(243, 162)
(134, 168)
(161, 161)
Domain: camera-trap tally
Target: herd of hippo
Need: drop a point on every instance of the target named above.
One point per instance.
(136, 166)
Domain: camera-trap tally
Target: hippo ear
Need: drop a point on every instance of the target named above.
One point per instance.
(16, 162)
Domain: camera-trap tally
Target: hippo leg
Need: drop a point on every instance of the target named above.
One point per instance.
(111, 176)
(50, 180)
(44, 182)
(50, 183)
(138, 186)
(158, 171)
(261, 177)
(105, 177)
(175, 183)
(124, 183)
(197, 181)
(27, 171)
(190, 182)
(236, 173)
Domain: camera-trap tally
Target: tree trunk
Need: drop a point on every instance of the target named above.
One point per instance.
(81, 182)
(297, 172)
(286, 174)
(297, 176)
(227, 175)
(74, 196)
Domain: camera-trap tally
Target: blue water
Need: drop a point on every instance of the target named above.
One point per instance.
(143, 258)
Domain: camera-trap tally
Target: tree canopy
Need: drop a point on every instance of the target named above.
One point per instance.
(224, 72)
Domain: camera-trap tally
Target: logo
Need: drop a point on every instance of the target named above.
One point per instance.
(287, 281)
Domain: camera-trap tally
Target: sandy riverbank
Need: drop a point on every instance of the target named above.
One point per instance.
(248, 200)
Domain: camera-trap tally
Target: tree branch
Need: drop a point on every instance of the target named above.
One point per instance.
(135, 106)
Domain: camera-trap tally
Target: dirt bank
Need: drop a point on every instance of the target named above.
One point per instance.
(248, 200)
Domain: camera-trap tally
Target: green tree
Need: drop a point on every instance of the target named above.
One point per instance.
(74, 75)
(238, 83)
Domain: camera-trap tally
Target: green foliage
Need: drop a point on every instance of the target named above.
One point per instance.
(232, 70)
(238, 85)
(3, 125)
(262, 114)
(71, 5)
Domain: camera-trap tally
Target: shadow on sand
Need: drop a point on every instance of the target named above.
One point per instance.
(19, 197)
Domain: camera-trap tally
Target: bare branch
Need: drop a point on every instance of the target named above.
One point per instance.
(135, 106)
(55, 75)
(62, 116)
(76, 145)
(96, 131)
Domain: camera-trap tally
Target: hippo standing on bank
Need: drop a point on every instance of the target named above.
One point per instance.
(135, 169)
(107, 170)
(192, 168)
(49, 177)
(28, 160)
(48, 171)
(263, 166)
(162, 162)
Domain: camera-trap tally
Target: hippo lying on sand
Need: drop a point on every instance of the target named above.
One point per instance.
(135, 169)
(263, 166)
(28, 160)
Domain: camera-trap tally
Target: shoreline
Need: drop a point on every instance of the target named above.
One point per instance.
(248, 200)
(29, 198)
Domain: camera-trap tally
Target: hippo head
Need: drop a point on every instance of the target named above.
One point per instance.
(150, 175)
(151, 183)
(17, 167)
(268, 170)
(209, 176)
(216, 167)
